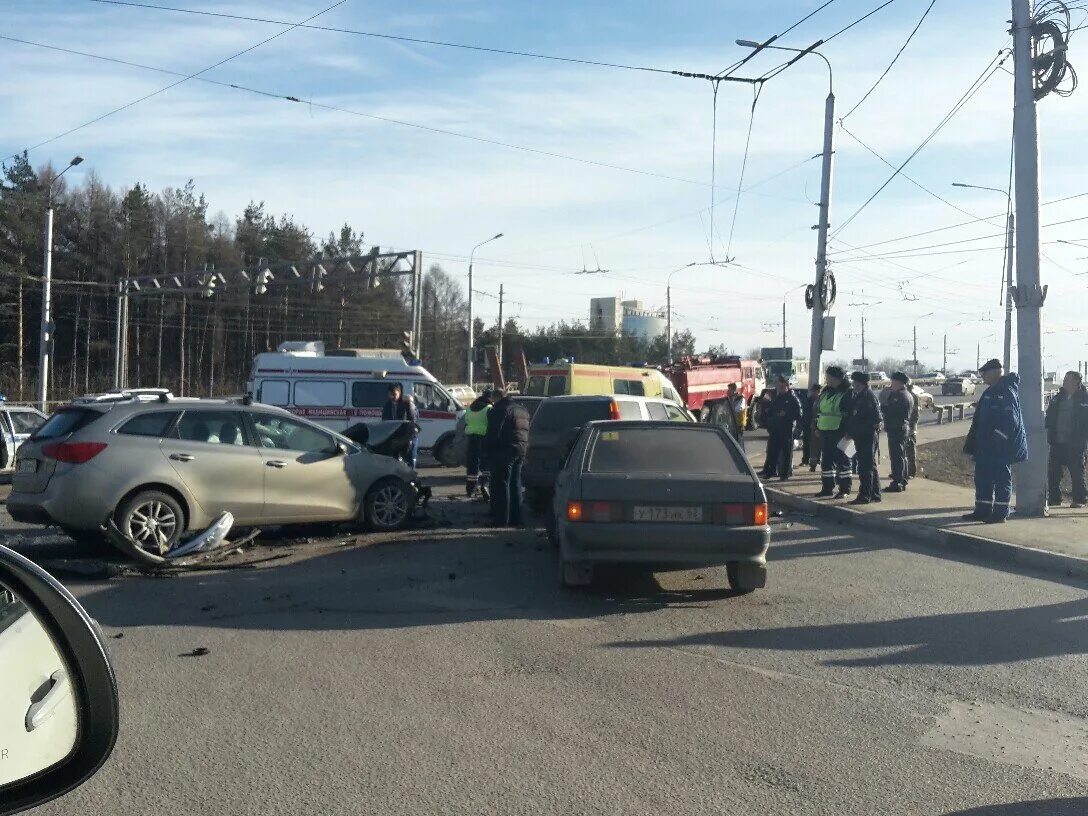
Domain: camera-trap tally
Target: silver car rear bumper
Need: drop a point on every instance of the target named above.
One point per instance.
(695, 544)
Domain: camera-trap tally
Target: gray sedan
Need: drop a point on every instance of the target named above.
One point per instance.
(660, 493)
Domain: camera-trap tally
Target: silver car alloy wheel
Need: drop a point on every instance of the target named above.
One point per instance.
(151, 525)
(390, 505)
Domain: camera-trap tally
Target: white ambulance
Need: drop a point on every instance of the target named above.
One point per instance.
(342, 387)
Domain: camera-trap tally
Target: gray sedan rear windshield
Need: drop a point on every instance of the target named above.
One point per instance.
(682, 449)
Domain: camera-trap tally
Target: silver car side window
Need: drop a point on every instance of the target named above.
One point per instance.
(211, 427)
(287, 434)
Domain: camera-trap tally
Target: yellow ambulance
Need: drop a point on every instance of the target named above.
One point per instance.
(563, 377)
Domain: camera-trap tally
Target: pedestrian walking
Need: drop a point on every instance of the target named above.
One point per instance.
(897, 413)
(505, 445)
(475, 431)
(810, 405)
(831, 416)
(1067, 435)
(863, 427)
(402, 408)
(997, 440)
(782, 419)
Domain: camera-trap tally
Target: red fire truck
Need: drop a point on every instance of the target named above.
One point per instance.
(702, 380)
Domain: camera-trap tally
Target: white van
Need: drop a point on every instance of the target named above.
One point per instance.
(346, 386)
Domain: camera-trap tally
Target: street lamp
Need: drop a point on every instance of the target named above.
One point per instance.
(471, 351)
(668, 308)
(1010, 228)
(46, 335)
(816, 339)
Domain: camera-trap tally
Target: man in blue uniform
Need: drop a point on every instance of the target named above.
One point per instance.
(863, 426)
(997, 440)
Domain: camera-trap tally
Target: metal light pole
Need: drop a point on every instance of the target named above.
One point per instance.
(816, 340)
(1010, 229)
(668, 309)
(471, 350)
(46, 335)
(1031, 481)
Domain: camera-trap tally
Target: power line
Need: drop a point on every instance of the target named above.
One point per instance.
(960, 224)
(340, 109)
(186, 78)
(743, 166)
(895, 59)
(400, 38)
(861, 19)
(975, 86)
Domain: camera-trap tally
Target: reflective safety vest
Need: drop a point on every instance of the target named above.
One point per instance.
(476, 421)
(831, 415)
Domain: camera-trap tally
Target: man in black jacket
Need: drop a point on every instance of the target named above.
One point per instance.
(403, 408)
(863, 427)
(782, 418)
(897, 413)
(1067, 433)
(506, 443)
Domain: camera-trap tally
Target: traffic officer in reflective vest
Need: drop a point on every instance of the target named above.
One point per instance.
(831, 413)
(997, 440)
(475, 430)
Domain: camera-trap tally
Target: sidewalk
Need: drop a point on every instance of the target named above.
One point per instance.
(931, 511)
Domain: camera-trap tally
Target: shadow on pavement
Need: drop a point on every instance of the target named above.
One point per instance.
(449, 579)
(954, 639)
(1075, 806)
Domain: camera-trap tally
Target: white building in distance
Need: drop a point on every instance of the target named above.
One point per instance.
(610, 314)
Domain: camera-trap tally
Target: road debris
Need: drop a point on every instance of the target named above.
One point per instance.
(210, 545)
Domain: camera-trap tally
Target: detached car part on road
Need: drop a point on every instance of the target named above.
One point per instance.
(158, 467)
(669, 495)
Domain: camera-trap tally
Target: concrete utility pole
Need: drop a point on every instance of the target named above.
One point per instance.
(45, 341)
(1031, 482)
(471, 329)
(914, 351)
(784, 344)
(863, 357)
(944, 356)
(668, 321)
(499, 350)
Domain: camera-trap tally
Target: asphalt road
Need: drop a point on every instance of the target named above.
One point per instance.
(444, 671)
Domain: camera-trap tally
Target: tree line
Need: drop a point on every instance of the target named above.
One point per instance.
(201, 346)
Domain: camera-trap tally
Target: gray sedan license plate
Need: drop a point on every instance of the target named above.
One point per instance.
(680, 514)
(26, 466)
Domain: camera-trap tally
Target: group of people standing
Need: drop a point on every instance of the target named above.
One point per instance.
(497, 430)
(840, 427)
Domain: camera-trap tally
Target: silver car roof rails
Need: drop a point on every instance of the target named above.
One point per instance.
(128, 394)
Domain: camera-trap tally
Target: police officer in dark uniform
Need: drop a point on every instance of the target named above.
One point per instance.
(782, 419)
(912, 436)
(997, 440)
(897, 413)
(863, 426)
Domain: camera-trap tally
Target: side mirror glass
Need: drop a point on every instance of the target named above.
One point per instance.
(342, 449)
(58, 695)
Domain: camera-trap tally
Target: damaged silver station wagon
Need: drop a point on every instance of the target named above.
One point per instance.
(159, 466)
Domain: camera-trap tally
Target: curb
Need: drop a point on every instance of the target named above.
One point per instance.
(954, 542)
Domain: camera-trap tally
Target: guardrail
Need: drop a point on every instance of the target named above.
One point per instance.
(952, 411)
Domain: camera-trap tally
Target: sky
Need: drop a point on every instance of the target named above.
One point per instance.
(587, 167)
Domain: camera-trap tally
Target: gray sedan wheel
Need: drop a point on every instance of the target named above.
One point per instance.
(152, 520)
(388, 505)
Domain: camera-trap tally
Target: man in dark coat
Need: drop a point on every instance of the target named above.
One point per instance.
(897, 413)
(505, 444)
(400, 407)
(782, 418)
(912, 436)
(863, 427)
(997, 440)
(1067, 435)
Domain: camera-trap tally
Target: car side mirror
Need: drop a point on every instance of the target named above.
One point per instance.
(342, 449)
(58, 693)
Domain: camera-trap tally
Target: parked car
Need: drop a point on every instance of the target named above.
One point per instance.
(17, 423)
(557, 424)
(922, 398)
(464, 394)
(160, 467)
(935, 376)
(958, 387)
(669, 495)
